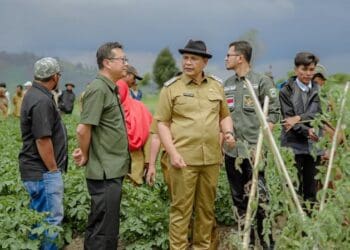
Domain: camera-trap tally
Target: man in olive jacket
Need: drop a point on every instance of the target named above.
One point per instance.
(103, 148)
(246, 122)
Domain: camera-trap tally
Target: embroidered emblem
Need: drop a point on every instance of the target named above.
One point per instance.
(230, 101)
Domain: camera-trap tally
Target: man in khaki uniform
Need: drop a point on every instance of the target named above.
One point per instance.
(192, 112)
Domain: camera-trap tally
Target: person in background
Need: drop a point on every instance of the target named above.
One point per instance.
(130, 79)
(7, 94)
(191, 113)
(300, 103)
(3, 102)
(103, 148)
(17, 101)
(138, 122)
(56, 94)
(320, 76)
(27, 85)
(66, 99)
(43, 157)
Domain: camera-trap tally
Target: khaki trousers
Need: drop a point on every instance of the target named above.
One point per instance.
(138, 160)
(193, 190)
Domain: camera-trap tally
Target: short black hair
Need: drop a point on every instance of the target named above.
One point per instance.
(3, 84)
(244, 48)
(19, 86)
(105, 52)
(305, 59)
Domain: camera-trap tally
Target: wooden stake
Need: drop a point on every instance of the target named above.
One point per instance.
(334, 146)
(253, 188)
(274, 148)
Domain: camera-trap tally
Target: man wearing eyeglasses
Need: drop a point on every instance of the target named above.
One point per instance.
(246, 122)
(103, 148)
(43, 157)
(191, 114)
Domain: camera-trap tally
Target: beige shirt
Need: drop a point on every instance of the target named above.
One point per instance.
(194, 112)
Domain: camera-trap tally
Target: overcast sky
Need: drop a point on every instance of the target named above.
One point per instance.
(74, 29)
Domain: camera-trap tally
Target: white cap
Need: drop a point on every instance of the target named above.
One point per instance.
(28, 84)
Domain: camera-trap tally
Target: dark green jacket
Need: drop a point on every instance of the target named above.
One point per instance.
(241, 105)
(108, 153)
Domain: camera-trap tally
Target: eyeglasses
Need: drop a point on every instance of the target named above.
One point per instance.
(228, 55)
(123, 59)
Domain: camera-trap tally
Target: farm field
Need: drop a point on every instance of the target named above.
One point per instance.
(144, 222)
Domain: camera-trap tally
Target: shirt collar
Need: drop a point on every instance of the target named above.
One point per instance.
(108, 81)
(241, 78)
(302, 86)
(42, 89)
(187, 80)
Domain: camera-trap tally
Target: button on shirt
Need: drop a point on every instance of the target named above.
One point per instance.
(40, 118)
(108, 153)
(194, 112)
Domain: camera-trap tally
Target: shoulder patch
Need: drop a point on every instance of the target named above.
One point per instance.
(216, 78)
(171, 81)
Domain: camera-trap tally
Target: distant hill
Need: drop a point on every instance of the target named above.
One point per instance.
(18, 68)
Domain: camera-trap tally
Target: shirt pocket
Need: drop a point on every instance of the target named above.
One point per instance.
(185, 105)
(248, 104)
(214, 102)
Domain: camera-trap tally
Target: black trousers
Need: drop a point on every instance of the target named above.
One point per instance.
(102, 231)
(240, 195)
(306, 166)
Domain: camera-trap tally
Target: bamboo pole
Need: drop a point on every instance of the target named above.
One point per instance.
(274, 148)
(253, 188)
(334, 146)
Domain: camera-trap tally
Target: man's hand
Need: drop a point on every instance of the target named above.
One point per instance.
(289, 122)
(312, 136)
(177, 161)
(79, 158)
(151, 175)
(230, 140)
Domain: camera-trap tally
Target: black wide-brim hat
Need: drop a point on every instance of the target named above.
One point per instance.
(71, 84)
(197, 48)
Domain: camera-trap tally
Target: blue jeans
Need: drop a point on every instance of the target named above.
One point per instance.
(46, 195)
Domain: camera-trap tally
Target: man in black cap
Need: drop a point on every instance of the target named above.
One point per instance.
(66, 99)
(130, 79)
(192, 111)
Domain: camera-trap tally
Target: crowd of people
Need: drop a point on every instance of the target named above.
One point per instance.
(12, 106)
(200, 123)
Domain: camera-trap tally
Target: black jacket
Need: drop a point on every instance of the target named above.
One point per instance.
(291, 105)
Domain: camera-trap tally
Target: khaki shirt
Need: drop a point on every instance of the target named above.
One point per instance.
(245, 121)
(17, 103)
(194, 112)
(108, 154)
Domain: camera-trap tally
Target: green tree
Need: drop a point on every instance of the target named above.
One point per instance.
(146, 79)
(164, 67)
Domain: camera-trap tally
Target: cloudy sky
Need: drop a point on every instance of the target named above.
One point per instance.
(74, 29)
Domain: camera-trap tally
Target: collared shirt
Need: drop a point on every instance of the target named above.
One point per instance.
(40, 118)
(108, 153)
(194, 112)
(302, 86)
(245, 120)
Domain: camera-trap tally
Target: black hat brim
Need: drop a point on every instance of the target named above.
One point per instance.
(138, 78)
(195, 52)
